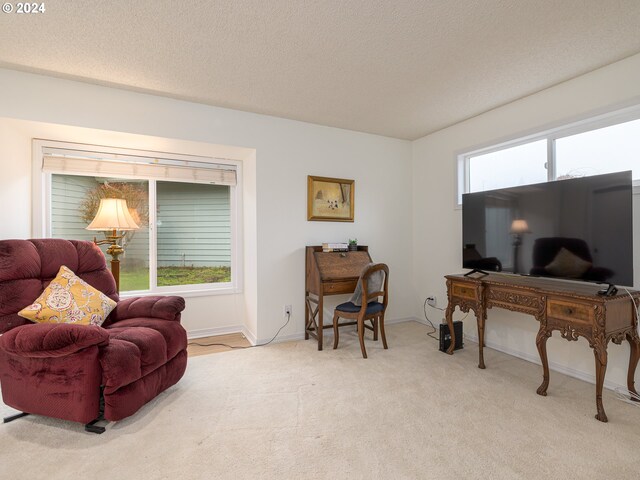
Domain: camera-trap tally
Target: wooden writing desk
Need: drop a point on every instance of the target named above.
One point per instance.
(572, 308)
(329, 273)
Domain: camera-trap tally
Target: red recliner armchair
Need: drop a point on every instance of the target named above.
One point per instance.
(79, 372)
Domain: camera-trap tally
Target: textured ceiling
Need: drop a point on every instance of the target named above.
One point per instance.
(401, 68)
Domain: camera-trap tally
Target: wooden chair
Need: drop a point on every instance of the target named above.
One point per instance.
(371, 308)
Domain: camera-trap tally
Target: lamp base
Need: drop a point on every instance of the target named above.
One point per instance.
(115, 271)
(114, 251)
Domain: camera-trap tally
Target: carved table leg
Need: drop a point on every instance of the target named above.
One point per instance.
(600, 353)
(481, 316)
(541, 344)
(634, 343)
(448, 314)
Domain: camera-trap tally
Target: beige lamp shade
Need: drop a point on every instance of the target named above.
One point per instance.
(519, 226)
(113, 214)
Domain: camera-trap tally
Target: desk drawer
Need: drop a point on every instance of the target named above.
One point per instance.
(568, 310)
(335, 288)
(463, 290)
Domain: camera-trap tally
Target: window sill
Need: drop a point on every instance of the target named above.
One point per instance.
(183, 293)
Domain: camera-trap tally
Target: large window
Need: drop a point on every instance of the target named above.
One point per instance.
(605, 150)
(520, 165)
(186, 239)
(603, 145)
(194, 233)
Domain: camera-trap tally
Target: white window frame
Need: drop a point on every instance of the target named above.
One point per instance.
(42, 215)
(594, 122)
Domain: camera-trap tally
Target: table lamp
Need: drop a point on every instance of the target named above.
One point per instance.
(113, 216)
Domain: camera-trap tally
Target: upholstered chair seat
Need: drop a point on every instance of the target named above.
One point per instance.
(350, 307)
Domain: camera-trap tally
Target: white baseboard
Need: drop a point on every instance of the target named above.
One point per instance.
(211, 332)
(423, 321)
(249, 335)
(556, 367)
(300, 336)
(282, 338)
(401, 320)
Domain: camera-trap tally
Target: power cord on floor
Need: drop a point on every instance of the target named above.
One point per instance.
(627, 397)
(430, 334)
(242, 347)
(424, 307)
(434, 307)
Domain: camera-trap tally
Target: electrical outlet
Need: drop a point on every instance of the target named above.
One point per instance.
(287, 310)
(432, 301)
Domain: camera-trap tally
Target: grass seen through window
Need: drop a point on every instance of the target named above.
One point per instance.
(138, 279)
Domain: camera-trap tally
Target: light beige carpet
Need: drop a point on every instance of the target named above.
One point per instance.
(287, 411)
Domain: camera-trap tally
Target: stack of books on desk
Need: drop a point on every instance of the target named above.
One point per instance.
(335, 247)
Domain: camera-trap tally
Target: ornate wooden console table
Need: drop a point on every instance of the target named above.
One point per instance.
(574, 309)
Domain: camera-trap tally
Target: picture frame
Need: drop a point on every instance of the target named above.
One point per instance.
(330, 199)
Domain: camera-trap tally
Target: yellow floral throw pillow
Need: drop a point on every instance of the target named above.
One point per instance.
(69, 299)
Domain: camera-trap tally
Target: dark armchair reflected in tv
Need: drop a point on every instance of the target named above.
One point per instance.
(577, 229)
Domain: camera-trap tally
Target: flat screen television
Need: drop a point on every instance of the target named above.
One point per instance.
(578, 229)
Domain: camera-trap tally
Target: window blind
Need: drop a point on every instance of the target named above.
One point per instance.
(156, 168)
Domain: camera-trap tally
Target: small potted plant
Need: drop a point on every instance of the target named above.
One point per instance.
(353, 245)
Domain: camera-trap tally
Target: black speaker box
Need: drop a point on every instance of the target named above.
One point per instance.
(445, 336)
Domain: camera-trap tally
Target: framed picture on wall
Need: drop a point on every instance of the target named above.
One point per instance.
(329, 199)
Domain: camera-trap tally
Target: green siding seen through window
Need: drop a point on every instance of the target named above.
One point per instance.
(67, 193)
(193, 229)
(194, 225)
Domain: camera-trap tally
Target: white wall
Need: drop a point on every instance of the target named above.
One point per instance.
(438, 225)
(282, 154)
